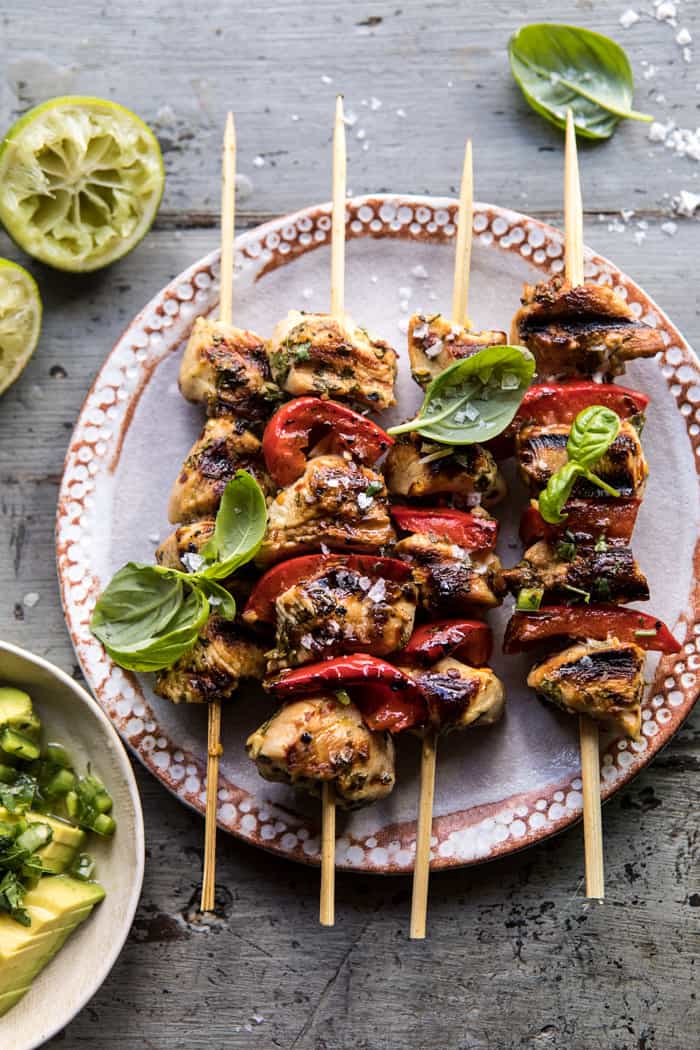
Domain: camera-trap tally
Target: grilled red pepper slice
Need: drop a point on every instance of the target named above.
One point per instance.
(388, 697)
(466, 530)
(466, 640)
(613, 519)
(260, 607)
(308, 422)
(593, 621)
(548, 403)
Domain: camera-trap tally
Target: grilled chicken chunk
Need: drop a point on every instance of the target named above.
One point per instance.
(604, 680)
(227, 370)
(585, 330)
(223, 447)
(312, 741)
(335, 503)
(434, 343)
(341, 611)
(316, 354)
(451, 580)
(460, 696)
(213, 668)
(418, 469)
(567, 572)
(541, 451)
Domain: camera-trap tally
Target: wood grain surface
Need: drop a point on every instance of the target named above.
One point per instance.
(515, 956)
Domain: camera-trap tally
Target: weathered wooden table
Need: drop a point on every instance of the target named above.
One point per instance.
(515, 958)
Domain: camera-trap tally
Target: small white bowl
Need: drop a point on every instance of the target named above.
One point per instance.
(71, 716)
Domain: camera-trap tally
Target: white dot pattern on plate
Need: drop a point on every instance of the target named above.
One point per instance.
(459, 838)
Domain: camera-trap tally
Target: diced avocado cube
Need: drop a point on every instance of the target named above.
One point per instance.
(16, 711)
(12, 742)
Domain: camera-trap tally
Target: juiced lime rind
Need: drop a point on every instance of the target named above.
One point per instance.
(20, 320)
(80, 182)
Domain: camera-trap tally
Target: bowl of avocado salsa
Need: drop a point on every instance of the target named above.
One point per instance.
(71, 848)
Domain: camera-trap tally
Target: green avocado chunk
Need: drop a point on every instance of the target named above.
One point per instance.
(66, 840)
(16, 711)
(56, 906)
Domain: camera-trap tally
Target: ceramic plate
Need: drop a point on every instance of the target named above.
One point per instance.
(72, 717)
(498, 789)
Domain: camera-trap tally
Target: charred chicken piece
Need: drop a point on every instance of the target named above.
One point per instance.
(419, 469)
(435, 342)
(340, 610)
(460, 696)
(317, 354)
(452, 581)
(571, 573)
(604, 680)
(223, 447)
(582, 331)
(226, 369)
(541, 451)
(223, 655)
(311, 741)
(336, 503)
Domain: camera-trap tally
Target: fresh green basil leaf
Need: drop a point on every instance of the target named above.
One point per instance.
(221, 602)
(591, 435)
(474, 399)
(239, 530)
(151, 642)
(557, 492)
(560, 67)
(137, 603)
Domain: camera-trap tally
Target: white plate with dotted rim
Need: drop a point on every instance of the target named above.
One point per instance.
(498, 789)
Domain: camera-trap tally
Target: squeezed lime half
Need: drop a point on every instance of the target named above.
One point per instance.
(80, 182)
(20, 320)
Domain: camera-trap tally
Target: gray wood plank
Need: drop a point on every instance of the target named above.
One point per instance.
(515, 957)
(444, 64)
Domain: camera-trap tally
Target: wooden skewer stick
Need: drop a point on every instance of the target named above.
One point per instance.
(214, 749)
(327, 903)
(463, 253)
(424, 827)
(588, 729)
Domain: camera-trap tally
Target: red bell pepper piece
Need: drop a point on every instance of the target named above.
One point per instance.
(305, 423)
(388, 697)
(547, 403)
(466, 640)
(466, 530)
(260, 606)
(599, 622)
(613, 519)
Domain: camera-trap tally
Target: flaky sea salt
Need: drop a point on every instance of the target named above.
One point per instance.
(401, 113)
(628, 18)
(258, 162)
(375, 103)
(419, 272)
(669, 228)
(666, 11)
(31, 599)
(683, 37)
(687, 202)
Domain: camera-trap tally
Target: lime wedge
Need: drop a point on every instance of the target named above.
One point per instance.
(20, 320)
(80, 182)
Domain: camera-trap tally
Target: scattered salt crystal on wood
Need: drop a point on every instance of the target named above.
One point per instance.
(628, 18)
(683, 37)
(31, 599)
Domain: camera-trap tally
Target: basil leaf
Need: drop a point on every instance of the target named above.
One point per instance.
(131, 641)
(558, 67)
(591, 435)
(558, 490)
(474, 399)
(137, 603)
(239, 530)
(221, 602)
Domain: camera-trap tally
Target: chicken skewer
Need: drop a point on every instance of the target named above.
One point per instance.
(327, 901)
(588, 729)
(214, 749)
(460, 300)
